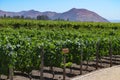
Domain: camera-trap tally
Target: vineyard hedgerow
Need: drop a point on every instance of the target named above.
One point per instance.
(21, 42)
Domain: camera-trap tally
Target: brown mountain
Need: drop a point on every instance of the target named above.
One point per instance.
(82, 15)
(73, 15)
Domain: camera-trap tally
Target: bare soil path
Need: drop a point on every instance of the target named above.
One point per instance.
(112, 73)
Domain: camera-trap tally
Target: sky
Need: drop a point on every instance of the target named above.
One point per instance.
(109, 9)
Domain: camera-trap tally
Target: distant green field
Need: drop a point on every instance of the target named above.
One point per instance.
(17, 23)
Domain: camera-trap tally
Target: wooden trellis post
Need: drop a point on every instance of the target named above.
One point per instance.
(97, 54)
(64, 51)
(11, 73)
(110, 53)
(42, 64)
(81, 62)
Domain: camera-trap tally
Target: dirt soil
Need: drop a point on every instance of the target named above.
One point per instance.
(70, 72)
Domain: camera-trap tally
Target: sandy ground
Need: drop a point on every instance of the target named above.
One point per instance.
(112, 73)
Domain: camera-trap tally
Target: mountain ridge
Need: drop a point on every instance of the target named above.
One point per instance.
(73, 14)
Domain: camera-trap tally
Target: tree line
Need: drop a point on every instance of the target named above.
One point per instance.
(39, 17)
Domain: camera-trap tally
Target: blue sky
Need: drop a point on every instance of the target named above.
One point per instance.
(109, 9)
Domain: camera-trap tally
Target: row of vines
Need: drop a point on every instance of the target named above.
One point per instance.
(22, 23)
(21, 48)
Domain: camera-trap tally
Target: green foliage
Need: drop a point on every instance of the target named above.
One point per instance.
(20, 45)
(42, 17)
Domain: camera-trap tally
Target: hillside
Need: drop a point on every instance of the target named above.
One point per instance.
(71, 15)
